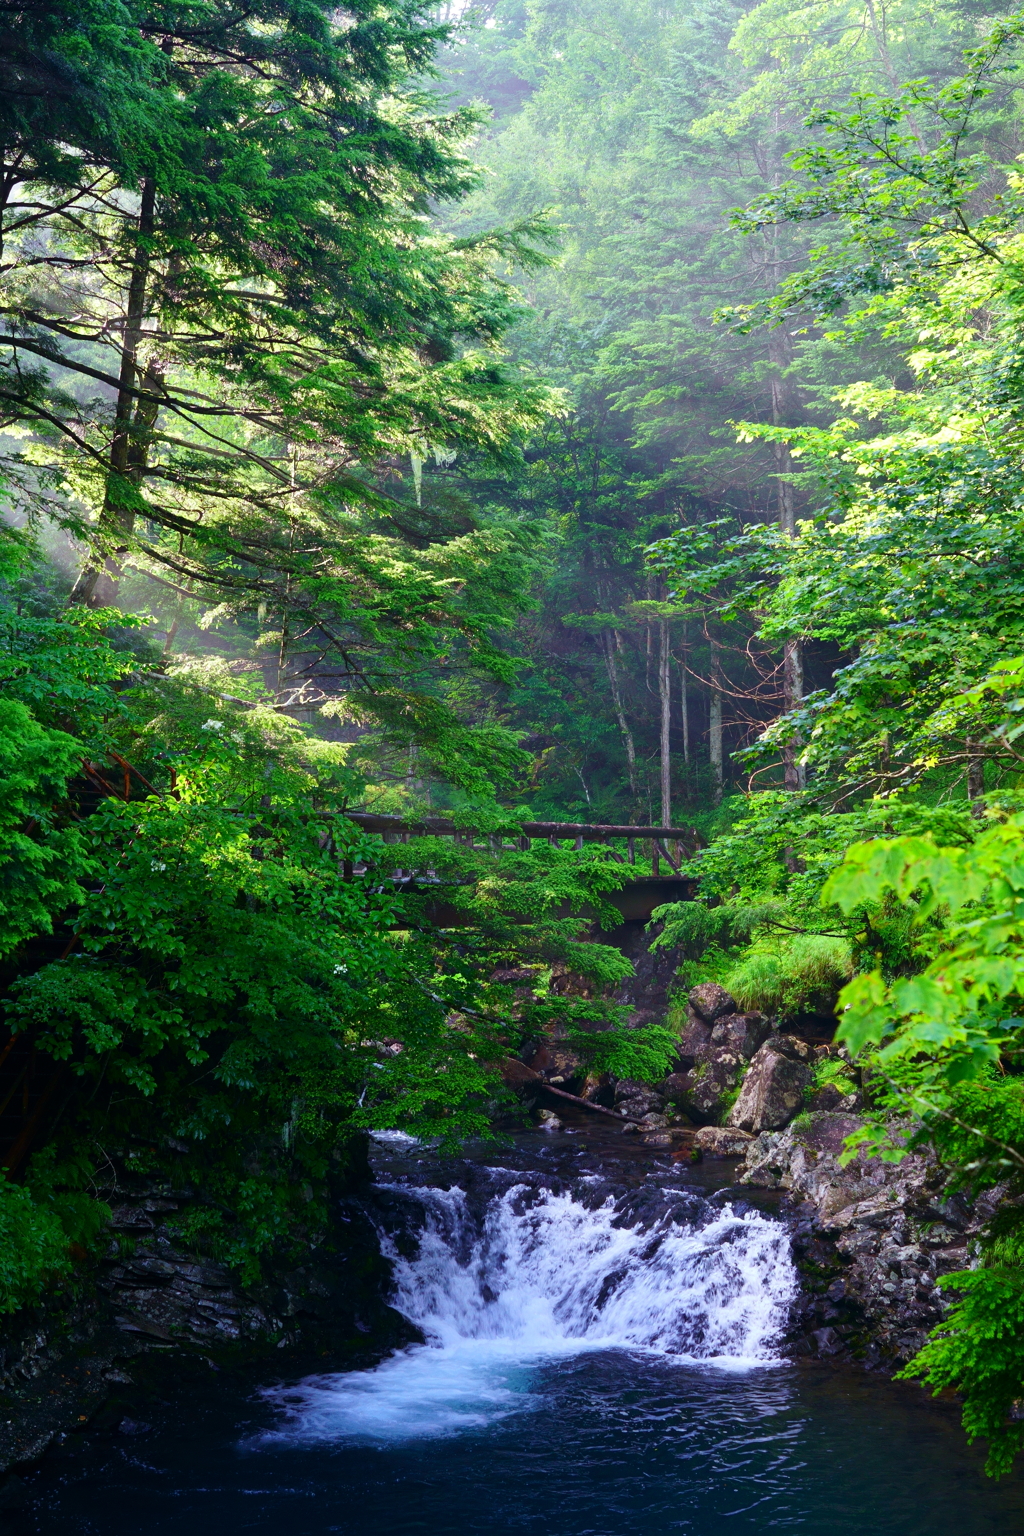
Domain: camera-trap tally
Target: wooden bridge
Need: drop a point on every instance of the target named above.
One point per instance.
(399, 829)
(635, 901)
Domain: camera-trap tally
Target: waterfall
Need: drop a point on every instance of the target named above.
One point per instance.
(500, 1285)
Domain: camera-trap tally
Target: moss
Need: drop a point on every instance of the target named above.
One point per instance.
(833, 1072)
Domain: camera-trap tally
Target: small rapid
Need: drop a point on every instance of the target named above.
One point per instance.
(603, 1334)
(507, 1274)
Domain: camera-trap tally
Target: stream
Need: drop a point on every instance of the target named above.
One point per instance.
(602, 1359)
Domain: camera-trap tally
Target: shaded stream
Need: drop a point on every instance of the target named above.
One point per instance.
(602, 1358)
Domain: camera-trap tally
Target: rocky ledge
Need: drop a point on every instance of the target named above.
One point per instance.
(62, 1363)
(871, 1238)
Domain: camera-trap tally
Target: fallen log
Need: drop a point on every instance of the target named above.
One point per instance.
(516, 1073)
(598, 1109)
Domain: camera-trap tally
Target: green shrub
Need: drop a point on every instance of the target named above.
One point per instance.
(33, 1247)
(804, 975)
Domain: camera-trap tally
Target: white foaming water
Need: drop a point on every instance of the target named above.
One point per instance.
(542, 1276)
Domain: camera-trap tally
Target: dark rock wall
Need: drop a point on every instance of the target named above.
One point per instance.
(871, 1239)
(151, 1292)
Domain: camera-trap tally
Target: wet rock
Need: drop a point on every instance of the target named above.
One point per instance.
(675, 1087)
(558, 1065)
(826, 1342)
(654, 1123)
(695, 1036)
(657, 1139)
(129, 1426)
(549, 1121)
(598, 1088)
(713, 1083)
(831, 1100)
(710, 1001)
(873, 1250)
(515, 1073)
(635, 1099)
(773, 1089)
(741, 1032)
(722, 1141)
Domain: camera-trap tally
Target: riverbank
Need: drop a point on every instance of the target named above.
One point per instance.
(869, 1242)
(605, 1352)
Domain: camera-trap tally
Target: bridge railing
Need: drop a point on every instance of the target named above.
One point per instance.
(400, 829)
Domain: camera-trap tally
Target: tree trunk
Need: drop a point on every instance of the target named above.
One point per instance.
(684, 706)
(610, 646)
(793, 687)
(975, 778)
(717, 762)
(665, 695)
(715, 726)
(780, 351)
(97, 584)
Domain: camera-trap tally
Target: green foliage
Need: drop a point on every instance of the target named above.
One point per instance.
(833, 1072)
(955, 1008)
(33, 1247)
(241, 981)
(979, 1352)
(46, 1224)
(42, 860)
(803, 975)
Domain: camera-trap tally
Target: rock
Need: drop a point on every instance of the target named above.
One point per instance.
(657, 1139)
(741, 1032)
(675, 1087)
(872, 1246)
(722, 1141)
(826, 1341)
(831, 1099)
(514, 1073)
(695, 1036)
(653, 1123)
(793, 1047)
(712, 1083)
(598, 1088)
(637, 1109)
(557, 1064)
(630, 1128)
(710, 1001)
(636, 1099)
(773, 1089)
(549, 1121)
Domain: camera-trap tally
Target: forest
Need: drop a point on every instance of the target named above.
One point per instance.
(581, 411)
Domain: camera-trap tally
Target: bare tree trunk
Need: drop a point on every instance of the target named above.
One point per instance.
(715, 731)
(97, 585)
(780, 352)
(610, 647)
(793, 685)
(684, 705)
(975, 778)
(717, 766)
(665, 695)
